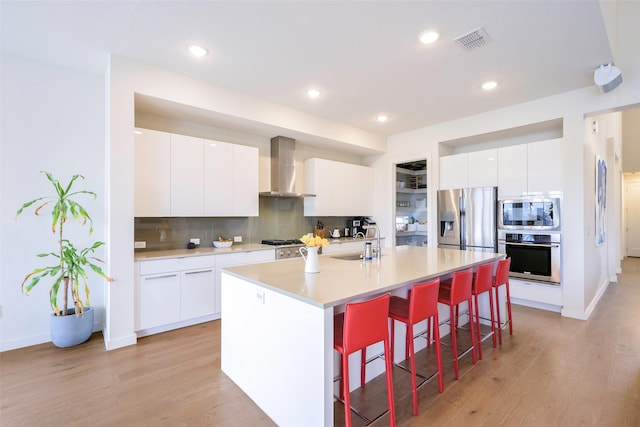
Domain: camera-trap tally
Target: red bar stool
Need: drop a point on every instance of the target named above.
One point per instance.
(421, 305)
(361, 325)
(483, 282)
(502, 279)
(457, 293)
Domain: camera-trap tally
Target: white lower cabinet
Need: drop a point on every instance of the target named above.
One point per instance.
(158, 300)
(536, 294)
(175, 292)
(198, 293)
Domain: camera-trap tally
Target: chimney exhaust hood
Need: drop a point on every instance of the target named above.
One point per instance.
(283, 169)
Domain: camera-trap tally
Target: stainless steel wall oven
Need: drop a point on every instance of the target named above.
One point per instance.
(534, 255)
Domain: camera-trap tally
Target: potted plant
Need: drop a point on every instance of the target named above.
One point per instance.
(69, 326)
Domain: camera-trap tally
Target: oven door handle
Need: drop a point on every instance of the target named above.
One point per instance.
(535, 245)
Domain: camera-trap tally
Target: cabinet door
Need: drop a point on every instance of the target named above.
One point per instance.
(198, 293)
(359, 191)
(544, 161)
(218, 176)
(453, 171)
(187, 176)
(512, 170)
(245, 181)
(482, 168)
(152, 187)
(327, 180)
(159, 300)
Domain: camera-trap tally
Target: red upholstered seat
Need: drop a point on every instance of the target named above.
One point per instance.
(483, 282)
(421, 305)
(459, 292)
(502, 279)
(361, 325)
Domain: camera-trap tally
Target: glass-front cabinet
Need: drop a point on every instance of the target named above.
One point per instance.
(411, 203)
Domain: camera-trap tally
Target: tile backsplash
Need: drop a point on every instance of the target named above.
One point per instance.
(280, 218)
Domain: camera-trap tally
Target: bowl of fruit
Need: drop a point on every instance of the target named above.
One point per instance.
(222, 242)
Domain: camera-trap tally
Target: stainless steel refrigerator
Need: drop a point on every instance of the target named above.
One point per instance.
(467, 219)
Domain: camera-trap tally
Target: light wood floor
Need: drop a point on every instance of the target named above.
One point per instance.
(553, 371)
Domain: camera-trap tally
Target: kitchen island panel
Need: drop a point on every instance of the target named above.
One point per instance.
(275, 349)
(277, 332)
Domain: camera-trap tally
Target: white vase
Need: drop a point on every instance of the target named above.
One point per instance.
(311, 262)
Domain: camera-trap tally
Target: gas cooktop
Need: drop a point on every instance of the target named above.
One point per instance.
(281, 242)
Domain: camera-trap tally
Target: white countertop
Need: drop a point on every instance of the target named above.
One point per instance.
(200, 251)
(340, 281)
(179, 253)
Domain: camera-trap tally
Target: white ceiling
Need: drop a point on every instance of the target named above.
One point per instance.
(364, 56)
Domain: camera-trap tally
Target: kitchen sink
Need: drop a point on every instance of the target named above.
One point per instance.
(357, 256)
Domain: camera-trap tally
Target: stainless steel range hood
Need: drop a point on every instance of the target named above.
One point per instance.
(283, 169)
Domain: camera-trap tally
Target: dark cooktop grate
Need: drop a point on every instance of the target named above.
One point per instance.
(281, 242)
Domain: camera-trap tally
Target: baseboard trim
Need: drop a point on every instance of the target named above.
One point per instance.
(125, 341)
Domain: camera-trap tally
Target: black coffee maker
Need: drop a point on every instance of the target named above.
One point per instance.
(356, 225)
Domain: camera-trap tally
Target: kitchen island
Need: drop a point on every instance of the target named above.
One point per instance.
(277, 322)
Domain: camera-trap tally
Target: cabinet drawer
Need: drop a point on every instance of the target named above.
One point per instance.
(158, 266)
(537, 292)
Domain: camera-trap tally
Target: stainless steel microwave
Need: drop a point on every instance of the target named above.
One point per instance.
(529, 213)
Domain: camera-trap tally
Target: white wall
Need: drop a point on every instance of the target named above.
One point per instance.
(125, 80)
(581, 284)
(580, 288)
(53, 120)
(49, 112)
(606, 144)
(631, 143)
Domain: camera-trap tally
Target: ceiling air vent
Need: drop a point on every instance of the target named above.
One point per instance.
(473, 39)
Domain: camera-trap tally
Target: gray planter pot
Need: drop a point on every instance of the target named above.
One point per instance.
(70, 330)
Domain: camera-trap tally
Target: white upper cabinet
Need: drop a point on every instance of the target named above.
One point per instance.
(245, 181)
(218, 171)
(359, 185)
(482, 168)
(341, 189)
(187, 176)
(512, 170)
(474, 169)
(530, 169)
(152, 174)
(544, 163)
(177, 175)
(453, 171)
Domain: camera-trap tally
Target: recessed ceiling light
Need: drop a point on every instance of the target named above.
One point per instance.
(137, 132)
(197, 50)
(313, 93)
(429, 37)
(490, 85)
(382, 118)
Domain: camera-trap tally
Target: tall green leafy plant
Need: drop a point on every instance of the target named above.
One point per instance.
(71, 263)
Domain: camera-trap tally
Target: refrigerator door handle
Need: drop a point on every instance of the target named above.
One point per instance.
(463, 226)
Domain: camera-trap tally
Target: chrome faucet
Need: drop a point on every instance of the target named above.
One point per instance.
(377, 249)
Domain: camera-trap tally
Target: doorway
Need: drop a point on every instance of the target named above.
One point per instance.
(632, 206)
(411, 211)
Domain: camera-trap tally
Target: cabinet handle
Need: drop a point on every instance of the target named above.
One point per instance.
(198, 272)
(534, 245)
(161, 277)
